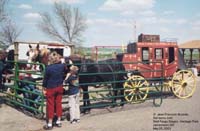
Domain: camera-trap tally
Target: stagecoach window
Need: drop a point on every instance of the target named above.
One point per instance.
(145, 54)
(159, 53)
(171, 54)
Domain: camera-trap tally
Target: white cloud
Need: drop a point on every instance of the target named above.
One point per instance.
(98, 21)
(164, 21)
(92, 14)
(128, 13)
(110, 22)
(168, 12)
(165, 30)
(148, 20)
(147, 13)
(63, 1)
(196, 23)
(127, 5)
(181, 21)
(124, 23)
(25, 6)
(32, 15)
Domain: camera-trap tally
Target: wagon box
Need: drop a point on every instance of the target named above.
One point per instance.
(152, 55)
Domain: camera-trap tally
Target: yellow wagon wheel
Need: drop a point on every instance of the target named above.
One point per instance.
(136, 89)
(183, 83)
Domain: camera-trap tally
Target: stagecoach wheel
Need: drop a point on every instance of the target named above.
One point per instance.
(183, 84)
(136, 89)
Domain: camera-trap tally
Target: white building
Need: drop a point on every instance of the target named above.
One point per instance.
(23, 47)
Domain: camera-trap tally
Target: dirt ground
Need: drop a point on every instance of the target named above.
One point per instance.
(184, 115)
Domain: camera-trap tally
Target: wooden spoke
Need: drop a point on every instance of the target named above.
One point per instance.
(132, 98)
(128, 90)
(136, 98)
(177, 89)
(127, 86)
(140, 96)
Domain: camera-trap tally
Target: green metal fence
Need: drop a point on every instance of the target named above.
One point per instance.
(24, 92)
(104, 97)
(108, 92)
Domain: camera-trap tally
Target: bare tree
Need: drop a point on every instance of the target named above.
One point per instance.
(8, 30)
(2, 10)
(70, 24)
(8, 33)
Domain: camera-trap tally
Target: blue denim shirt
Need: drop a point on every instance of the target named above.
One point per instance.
(54, 75)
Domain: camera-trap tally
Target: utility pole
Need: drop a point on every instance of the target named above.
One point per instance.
(135, 30)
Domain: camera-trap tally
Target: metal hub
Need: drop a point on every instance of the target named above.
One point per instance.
(184, 84)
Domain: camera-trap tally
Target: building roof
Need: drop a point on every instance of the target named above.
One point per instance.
(194, 44)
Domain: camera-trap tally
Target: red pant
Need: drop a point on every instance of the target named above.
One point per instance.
(54, 101)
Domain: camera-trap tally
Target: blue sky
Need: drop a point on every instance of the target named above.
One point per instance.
(112, 22)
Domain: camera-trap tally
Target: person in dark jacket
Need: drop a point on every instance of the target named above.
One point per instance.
(73, 81)
(1, 71)
(27, 88)
(2, 66)
(53, 89)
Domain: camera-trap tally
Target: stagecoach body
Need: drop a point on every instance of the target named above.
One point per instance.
(151, 56)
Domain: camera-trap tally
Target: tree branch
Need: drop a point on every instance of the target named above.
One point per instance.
(72, 24)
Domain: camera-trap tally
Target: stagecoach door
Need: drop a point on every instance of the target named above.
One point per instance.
(152, 62)
(165, 61)
(170, 61)
(158, 62)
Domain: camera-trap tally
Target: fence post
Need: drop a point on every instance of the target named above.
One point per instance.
(16, 51)
(16, 78)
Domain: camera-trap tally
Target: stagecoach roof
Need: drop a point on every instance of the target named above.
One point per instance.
(194, 44)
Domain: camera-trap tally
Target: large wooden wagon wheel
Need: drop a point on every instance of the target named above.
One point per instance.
(183, 83)
(136, 89)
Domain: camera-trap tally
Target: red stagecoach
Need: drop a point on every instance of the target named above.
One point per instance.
(152, 58)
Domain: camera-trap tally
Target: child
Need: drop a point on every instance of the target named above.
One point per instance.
(72, 79)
